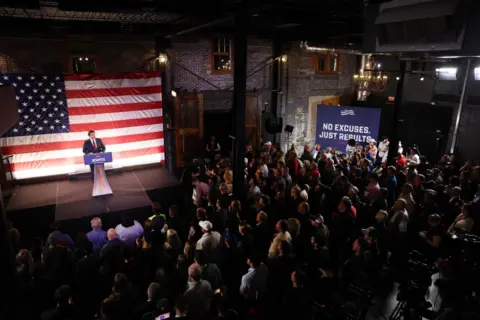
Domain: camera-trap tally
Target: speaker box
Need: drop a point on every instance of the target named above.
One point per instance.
(288, 128)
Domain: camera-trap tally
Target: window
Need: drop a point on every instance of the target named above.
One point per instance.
(327, 63)
(83, 64)
(221, 56)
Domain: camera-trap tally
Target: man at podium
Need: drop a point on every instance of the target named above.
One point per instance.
(93, 145)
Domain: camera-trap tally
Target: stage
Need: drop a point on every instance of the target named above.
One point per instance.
(32, 208)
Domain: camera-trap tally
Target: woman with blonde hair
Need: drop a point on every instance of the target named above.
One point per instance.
(173, 242)
(189, 251)
(228, 178)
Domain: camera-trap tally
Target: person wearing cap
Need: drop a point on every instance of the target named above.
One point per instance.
(210, 242)
(321, 227)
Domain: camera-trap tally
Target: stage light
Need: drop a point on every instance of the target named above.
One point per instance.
(86, 58)
(162, 58)
(422, 78)
(284, 58)
(398, 78)
(173, 93)
(379, 65)
(447, 70)
(476, 73)
(81, 59)
(449, 73)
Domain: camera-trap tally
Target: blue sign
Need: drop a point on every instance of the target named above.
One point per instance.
(97, 158)
(338, 124)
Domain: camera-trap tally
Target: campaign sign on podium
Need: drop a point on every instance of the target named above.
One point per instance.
(100, 183)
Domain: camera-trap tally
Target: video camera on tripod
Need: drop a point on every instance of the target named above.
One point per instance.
(412, 291)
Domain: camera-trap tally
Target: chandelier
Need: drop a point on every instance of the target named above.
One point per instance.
(371, 78)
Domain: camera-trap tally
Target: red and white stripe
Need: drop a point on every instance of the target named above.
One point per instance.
(125, 110)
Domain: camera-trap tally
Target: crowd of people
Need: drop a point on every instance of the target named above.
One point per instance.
(313, 228)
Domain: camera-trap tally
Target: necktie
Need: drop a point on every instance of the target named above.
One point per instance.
(94, 144)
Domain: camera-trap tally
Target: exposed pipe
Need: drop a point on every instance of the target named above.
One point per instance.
(306, 47)
(460, 107)
(201, 26)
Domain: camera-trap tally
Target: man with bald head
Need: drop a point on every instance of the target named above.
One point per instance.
(113, 246)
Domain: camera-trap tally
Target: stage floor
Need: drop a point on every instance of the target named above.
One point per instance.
(73, 199)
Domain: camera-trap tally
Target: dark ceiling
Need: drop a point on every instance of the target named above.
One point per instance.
(336, 22)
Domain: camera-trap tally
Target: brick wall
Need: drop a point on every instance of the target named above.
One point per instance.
(190, 69)
(54, 55)
(303, 83)
(190, 66)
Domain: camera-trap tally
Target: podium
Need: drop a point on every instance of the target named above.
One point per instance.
(100, 183)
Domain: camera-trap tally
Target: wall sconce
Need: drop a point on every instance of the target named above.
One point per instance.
(162, 58)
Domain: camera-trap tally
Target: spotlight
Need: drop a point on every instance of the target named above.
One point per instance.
(81, 59)
(173, 93)
(162, 58)
(284, 58)
(379, 65)
(422, 78)
(398, 78)
(86, 58)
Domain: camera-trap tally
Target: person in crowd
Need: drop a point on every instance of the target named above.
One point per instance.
(254, 282)
(153, 296)
(321, 227)
(114, 244)
(383, 147)
(316, 153)
(407, 195)
(173, 244)
(401, 160)
(198, 295)
(212, 148)
(97, 236)
(200, 192)
(317, 209)
(209, 271)
(177, 223)
(59, 237)
(307, 155)
(464, 221)
(129, 230)
(413, 158)
(297, 302)
(65, 307)
(282, 235)
(433, 237)
(211, 242)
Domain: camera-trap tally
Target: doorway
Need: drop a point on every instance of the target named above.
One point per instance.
(219, 123)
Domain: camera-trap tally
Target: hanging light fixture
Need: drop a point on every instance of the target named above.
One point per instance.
(370, 78)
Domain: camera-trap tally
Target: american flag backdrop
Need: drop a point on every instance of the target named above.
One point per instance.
(56, 112)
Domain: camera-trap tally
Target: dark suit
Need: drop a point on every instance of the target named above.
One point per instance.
(88, 147)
